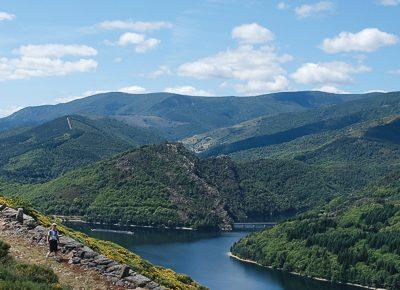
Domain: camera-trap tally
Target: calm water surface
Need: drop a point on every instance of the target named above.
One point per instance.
(203, 256)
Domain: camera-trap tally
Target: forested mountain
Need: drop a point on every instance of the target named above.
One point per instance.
(177, 116)
(316, 125)
(167, 185)
(37, 154)
(354, 239)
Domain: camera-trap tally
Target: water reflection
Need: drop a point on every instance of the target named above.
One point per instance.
(203, 256)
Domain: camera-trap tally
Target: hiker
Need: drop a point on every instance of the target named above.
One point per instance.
(53, 238)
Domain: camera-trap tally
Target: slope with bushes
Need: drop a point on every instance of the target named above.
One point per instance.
(354, 239)
(19, 276)
(43, 152)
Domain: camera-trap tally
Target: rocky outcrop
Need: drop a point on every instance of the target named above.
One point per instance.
(74, 252)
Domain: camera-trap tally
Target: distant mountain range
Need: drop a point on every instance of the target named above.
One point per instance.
(175, 116)
(314, 127)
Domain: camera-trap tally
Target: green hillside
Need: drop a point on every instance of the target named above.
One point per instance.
(259, 134)
(177, 116)
(354, 239)
(43, 152)
(167, 185)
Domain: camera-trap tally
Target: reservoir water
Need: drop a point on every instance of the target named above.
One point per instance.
(204, 257)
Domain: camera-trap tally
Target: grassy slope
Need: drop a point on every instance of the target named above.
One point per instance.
(17, 276)
(161, 275)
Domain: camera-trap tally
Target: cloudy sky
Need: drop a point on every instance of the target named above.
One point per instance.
(56, 51)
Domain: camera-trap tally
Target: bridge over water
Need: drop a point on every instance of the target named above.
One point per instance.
(253, 226)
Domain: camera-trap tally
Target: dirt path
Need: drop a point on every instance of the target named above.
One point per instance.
(70, 275)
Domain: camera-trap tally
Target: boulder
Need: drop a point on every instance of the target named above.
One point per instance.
(124, 271)
(20, 215)
(101, 260)
(88, 253)
(2, 207)
(9, 213)
(138, 280)
(74, 260)
(154, 286)
(69, 243)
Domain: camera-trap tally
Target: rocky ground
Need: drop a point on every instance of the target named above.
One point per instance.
(79, 266)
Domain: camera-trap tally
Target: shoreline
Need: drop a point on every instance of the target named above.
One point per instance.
(231, 255)
(76, 219)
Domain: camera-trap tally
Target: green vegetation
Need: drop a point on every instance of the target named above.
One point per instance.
(167, 185)
(161, 275)
(40, 153)
(354, 239)
(253, 138)
(18, 276)
(176, 116)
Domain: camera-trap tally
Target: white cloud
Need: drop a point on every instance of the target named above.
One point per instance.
(375, 91)
(129, 90)
(307, 10)
(161, 70)
(252, 87)
(141, 44)
(6, 16)
(4, 112)
(395, 72)
(327, 73)
(118, 59)
(46, 60)
(252, 33)
(76, 97)
(282, 6)
(243, 63)
(26, 67)
(247, 68)
(367, 40)
(55, 50)
(331, 89)
(188, 90)
(389, 2)
(132, 90)
(134, 25)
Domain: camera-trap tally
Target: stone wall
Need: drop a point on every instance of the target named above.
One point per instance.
(15, 222)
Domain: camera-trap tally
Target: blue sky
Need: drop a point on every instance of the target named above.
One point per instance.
(55, 51)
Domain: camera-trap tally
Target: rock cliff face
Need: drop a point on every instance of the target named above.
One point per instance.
(74, 252)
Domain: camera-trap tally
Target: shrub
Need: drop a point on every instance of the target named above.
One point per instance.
(4, 247)
(35, 273)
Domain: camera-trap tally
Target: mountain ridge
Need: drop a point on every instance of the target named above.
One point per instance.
(187, 115)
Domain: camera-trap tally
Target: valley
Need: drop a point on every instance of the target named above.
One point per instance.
(298, 166)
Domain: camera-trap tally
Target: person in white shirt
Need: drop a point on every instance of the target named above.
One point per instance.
(53, 238)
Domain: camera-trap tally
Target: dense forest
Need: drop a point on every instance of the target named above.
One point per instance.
(40, 153)
(354, 239)
(167, 185)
